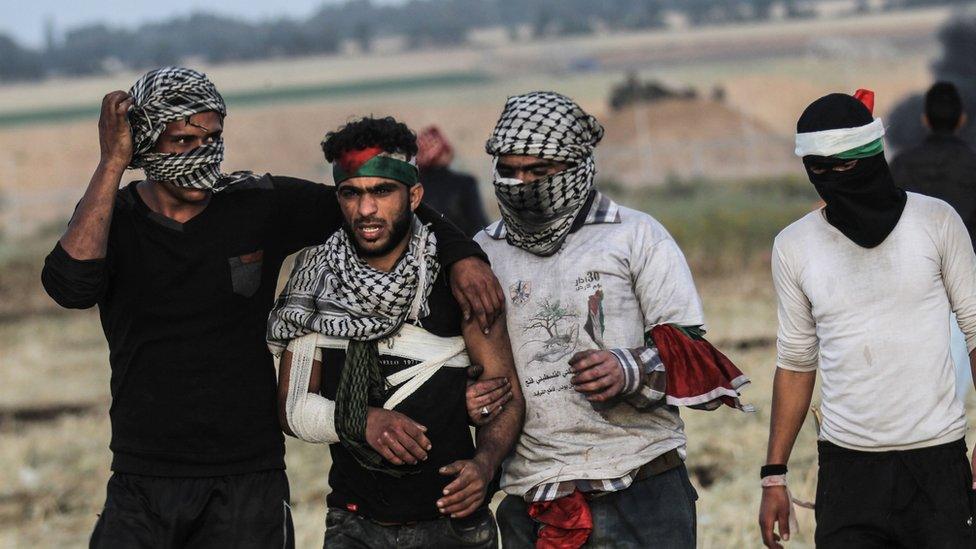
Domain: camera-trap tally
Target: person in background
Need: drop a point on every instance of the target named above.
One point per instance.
(944, 166)
(453, 194)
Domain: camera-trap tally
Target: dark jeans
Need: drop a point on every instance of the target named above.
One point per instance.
(911, 498)
(654, 512)
(345, 530)
(239, 511)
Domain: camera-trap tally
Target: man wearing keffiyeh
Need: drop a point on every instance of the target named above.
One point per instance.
(605, 322)
(865, 286)
(376, 357)
(183, 267)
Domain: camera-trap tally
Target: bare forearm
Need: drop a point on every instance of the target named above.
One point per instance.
(792, 392)
(87, 233)
(496, 439)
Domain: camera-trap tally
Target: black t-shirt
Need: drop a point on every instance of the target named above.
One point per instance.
(942, 166)
(456, 196)
(438, 405)
(184, 309)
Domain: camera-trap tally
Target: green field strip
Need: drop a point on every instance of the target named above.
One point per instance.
(269, 96)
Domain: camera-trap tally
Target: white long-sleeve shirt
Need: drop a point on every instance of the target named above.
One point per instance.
(876, 321)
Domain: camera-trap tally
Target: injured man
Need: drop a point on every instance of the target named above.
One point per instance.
(373, 354)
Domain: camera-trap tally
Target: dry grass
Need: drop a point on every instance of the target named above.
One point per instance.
(52, 474)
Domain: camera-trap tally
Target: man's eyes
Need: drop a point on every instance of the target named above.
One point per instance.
(187, 139)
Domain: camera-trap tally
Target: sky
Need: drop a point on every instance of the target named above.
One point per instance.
(24, 21)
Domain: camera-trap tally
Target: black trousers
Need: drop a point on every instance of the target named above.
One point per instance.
(236, 511)
(912, 498)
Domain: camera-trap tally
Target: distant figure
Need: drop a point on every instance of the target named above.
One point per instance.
(453, 194)
(944, 166)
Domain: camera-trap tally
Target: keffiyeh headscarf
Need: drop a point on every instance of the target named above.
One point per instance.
(333, 291)
(434, 150)
(166, 95)
(539, 215)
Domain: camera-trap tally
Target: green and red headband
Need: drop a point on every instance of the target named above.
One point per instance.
(375, 162)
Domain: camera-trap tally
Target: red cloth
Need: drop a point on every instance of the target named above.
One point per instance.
(354, 159)
(566, 522)
(866, 97)
(434, 151)
(698, 374)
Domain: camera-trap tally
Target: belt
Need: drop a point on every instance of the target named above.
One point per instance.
(662, 463)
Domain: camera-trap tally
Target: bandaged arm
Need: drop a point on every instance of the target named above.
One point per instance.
(303, 412)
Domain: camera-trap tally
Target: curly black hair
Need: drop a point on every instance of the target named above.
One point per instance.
(387, 133)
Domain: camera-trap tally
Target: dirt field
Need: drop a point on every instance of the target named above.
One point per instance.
(54, 429)
(55, 457)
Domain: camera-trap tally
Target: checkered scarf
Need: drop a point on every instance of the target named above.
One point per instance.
(332, 291)
(539, 215)
(162, 96)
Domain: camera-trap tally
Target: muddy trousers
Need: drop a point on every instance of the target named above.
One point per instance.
(658, 511)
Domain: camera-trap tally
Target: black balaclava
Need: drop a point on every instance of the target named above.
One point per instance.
(863, 202)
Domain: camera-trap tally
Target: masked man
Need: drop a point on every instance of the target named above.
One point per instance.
(865, 286)
(604, 320)
(183, 267)
(376, 355)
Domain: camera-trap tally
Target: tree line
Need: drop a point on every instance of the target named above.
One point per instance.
(97, 48)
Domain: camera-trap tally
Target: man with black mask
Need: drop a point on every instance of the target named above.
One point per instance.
(864, 287)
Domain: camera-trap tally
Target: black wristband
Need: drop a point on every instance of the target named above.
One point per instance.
(773, 469)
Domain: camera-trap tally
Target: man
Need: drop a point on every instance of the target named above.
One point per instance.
(864, 288)
(183, 267)
(944, 166)
(387, 387)
(590, 285)
(453, 194)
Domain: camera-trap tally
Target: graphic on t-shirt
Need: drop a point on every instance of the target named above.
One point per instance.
(557, 330)
(520, 291)
(594, 326)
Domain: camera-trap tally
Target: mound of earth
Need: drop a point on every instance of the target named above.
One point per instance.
(647, 144)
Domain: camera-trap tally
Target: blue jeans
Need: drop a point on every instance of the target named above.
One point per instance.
(655, 512)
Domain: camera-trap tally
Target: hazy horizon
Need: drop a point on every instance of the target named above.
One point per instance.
(26, 22)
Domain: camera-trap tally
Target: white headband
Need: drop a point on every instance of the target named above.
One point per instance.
(831, 142)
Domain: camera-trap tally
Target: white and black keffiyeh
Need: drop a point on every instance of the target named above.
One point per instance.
(162, 96)
(539, 215)
(332, 291)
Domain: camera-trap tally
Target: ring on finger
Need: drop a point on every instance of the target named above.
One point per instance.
(485, 411)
